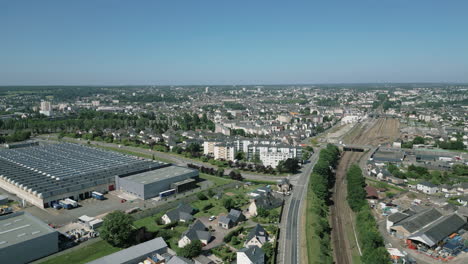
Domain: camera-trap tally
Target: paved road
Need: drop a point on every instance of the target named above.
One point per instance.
(290, 235)
(181, 161)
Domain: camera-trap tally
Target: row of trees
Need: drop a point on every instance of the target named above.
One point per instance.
(234, 174)
(370, 240)
(321, 180)
(356, 192)
(417, 172)
(90, 119)
(15, 137)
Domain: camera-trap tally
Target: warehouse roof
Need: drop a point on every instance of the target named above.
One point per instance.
(439, 229)
(159, 174)
(19, 227)
(156, 245)
(418, 221)
(55, 169)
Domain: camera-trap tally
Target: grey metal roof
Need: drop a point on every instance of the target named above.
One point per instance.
(397, 217)
(145, 249)
(159, 174)
(56, 169)
(440, 229)
(418, 221)
(21, 226)
(179, 260)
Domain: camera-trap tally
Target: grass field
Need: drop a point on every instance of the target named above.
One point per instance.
(237, 194)
(218, 181)
(127, 152)
(85, 254)
(380, 184)
(313, 243)
(354, 249)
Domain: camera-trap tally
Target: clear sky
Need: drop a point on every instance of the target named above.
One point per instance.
(232, 42)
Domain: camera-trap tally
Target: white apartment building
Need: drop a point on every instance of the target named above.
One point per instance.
(208, 147)
(224, 152)
(269, 152)
(46, 108)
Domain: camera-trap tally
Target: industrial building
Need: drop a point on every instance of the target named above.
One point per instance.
(163, 181)
(45, 174)
(24, 238)
(155, 250)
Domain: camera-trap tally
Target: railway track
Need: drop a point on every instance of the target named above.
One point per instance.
(375, 132)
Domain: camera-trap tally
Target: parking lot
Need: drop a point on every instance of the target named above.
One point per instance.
(99, 208)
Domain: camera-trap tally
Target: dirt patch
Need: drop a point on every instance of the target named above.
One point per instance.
(230, 194)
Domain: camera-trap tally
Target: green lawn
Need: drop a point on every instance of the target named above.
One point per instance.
(354, 250)
(237, 194)
(380, 184)
(85, 254)
(218, 181)
(127, 152)
(312, 240)
(149, 222)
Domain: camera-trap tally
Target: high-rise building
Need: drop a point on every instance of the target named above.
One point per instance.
(46, 108)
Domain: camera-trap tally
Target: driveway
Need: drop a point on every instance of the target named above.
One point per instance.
(219, 233)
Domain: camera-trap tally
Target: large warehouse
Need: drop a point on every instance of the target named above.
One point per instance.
(47, 173)
(24, 238)
(167, 180)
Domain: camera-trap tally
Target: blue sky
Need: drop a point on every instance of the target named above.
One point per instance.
(232, 42)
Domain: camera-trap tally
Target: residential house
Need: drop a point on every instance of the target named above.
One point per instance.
(266, 202)
(183, 213)
(463, 200)
(284, 185)
(462, 188)
(180, 260)
(230, 220)
(446, 188)
(202, 259)
(196, 231)
(427, 187)
(371, 193)
(257, 237)
(251, 255)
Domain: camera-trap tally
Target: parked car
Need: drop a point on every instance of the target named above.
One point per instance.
(212, 218)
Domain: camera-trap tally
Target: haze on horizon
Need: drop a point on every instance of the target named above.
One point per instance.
(232, 42)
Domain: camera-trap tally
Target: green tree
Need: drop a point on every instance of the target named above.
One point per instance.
(262, 212)
(418, 140)
(240, 155)
(117, 229)
(191, 250)
(289, 165)
(228, 203)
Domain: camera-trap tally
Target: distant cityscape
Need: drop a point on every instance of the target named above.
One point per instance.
(234, 174)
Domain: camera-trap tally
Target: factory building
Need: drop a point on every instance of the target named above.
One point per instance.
(24, 238)
(166, 180)
(42, 175)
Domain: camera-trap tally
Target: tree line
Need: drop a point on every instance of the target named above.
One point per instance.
(321, 181)
(91, 119)
(370, 240)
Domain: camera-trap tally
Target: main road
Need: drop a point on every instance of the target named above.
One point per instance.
(290, 232)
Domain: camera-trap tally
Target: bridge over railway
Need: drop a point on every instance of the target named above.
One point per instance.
(353, 147)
